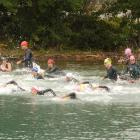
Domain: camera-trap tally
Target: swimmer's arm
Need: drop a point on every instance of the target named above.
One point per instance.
(19, 62)
(16, 84)
(104, 87)
(46, 91)
(9, 69)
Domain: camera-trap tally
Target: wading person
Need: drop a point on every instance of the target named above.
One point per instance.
(133, 69)
(53, 69)
(27, 60)
(5, 66)
(111, 71)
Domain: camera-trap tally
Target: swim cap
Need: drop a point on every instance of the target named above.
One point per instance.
(35, 89)
(107, 61)
(128, 51)
(35, 69)
(51, 61)
(36, 66)
(24, 43)
(69, 75)
(132, 57)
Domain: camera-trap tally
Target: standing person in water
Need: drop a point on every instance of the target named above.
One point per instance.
(111, 71)
(53, 69)
(27, 60)
(128, 53)
(126, 58)
(133, 69)
(5, 66)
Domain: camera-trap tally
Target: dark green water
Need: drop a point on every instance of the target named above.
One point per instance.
(115, 116)
(29, 118)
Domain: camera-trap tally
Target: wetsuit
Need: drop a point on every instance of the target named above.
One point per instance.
(111, 73)
(55, 71)
(72, 95)
(28, 58)
(38, 76)
(42, 92)
(134, 71)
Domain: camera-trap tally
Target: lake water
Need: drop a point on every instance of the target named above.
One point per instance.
(96, 115)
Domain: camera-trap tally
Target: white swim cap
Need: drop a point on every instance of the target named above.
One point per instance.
(69, 75)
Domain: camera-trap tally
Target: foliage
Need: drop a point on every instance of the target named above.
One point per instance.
(57, 23)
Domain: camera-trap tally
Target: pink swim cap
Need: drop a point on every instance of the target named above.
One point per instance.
(128, 52)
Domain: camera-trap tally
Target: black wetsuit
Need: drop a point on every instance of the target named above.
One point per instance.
(111, 73)
(38, 76)
(28, 58)
(72, 95)
(134, 71)
(55, 71)
(42, 92)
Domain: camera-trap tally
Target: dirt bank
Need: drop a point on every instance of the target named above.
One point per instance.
(77, 55)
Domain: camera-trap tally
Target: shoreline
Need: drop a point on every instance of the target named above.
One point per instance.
(43, 55)
(71, 55)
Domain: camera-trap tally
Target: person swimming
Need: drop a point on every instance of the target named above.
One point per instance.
(37, 91)
(70, 78)
(85, 85)
(12, 82)
(37, 74)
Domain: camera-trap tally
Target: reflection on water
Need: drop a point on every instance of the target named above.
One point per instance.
(21, 120)
(98, 115)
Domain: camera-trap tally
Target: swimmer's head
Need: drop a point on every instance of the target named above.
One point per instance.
(24, 45)
(107, 62)
(34, 90)
(132, 59)
(69, 77)
(51, 63)
(34, 69)
(128, 52)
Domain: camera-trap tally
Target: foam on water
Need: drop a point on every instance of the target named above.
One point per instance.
(25, 80)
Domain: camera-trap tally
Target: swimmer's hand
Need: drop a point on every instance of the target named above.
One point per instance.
(18, 62)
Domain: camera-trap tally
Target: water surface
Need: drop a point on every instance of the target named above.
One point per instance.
(96, 115)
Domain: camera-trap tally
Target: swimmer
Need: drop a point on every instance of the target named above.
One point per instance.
(5, 66)
(37, 74)
(133, 69)
(37, 91)
(70, 78)
(87, 86)
(53, 69)
(111, 71)
(82, 86)
(27, 60)
(12, 82)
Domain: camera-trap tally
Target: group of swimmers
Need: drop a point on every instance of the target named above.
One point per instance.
(132, 68)
(131, 72)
